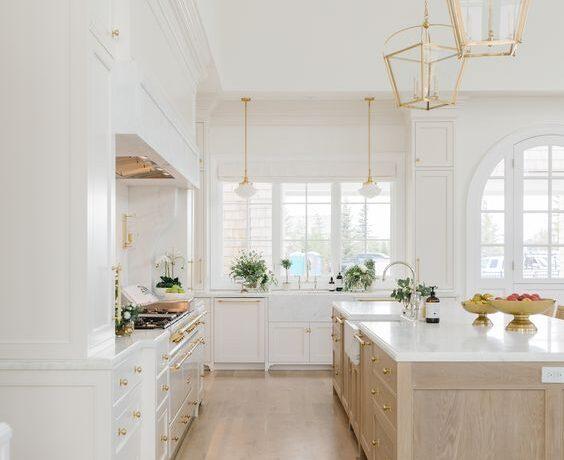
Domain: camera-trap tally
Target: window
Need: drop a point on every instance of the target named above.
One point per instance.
(541, 206)
(247, 224)
(365, 227)
(322, 227)
(492, 224)
(522, 216)
(306, 223)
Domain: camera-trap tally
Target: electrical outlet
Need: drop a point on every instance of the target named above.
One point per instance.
(553, 375)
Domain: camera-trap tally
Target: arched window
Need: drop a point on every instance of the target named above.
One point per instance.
(520, 217)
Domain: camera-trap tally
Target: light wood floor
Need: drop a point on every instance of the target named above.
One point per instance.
(280, 415)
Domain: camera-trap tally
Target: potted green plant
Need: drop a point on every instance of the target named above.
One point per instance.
(286, 265)
(360, 277)
(404, 291)
(125, 319)
(250, 270)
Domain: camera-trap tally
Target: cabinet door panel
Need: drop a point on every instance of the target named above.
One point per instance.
(434, 144)
(239, 331)
(289, 343)
(320, 347)
(434, 227)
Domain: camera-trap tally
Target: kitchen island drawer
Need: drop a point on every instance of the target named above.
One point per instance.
(163, 387)
(178, 426)
(127, 419)
(384, 367)
(385, 401)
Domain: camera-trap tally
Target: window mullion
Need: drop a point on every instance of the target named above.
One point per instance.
(336, 236)
(276, 226)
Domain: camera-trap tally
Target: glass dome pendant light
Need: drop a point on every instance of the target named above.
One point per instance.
(488, 27)
(369, 188)
(424, 65)
(245, 189)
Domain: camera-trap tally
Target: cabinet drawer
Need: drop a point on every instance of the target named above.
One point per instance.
(384, 367)
(163, 387)
(384, 443)
(132, 448)
(126, 376)
(179, 425)
(127, 419)
(386, 402)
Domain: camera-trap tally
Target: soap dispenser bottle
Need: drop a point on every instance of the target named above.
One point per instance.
(432, 307)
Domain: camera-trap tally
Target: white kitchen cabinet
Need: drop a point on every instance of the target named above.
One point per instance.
(289, 342)
(161, 441)
(101, 15)
(239, 330)
(320, 344)
(300, 343)
(433, 144)
(207, 332)
(434, 227)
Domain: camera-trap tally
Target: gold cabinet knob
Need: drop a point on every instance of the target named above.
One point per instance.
(194, 403)
(136, 414)
(336, 372)
(137, 369)
(376, 442)
(164, 438)
(374, 391)
(386, 371)
(387, 408)
(185, 419)
(165, 388)
(115, 32)
(123, 382)
(375, 359)
(175, 439)
(336, 339)
(165, 357)
(122, 431)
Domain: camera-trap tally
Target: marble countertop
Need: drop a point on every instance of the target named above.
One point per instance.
(105, 359)
(369, 311)
(455, 339)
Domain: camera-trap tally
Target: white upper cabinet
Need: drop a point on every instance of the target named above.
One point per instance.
(433, 144)
(56, 290)
(434, 227)
(101, 20)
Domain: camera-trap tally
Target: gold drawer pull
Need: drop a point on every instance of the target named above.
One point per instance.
(137, 369)
(164, 438)
(376, 443)
(165, 388)
(337, 339)
(362, 342)
(387, 371)
(165, 357)
(387, 408)
(122, 431)
(175, 439)
(123, 382)
(136, 414)
(339, 320)
(375, 359)
(375, 391)
(195, 403)
(336, 372)
(186, 420)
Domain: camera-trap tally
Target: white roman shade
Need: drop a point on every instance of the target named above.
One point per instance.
(302, 170)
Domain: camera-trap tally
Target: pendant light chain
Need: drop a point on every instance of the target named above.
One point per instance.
(245, 101)
(426, 15)
(369, 100)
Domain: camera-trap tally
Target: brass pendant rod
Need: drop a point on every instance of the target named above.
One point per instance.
(369, 100)
(490, 20)
(245, 101)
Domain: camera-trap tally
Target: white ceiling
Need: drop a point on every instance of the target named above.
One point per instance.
(320, 47)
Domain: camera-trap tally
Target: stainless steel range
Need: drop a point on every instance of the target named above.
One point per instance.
(159, 319)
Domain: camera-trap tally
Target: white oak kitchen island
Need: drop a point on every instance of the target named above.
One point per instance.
(454, 391)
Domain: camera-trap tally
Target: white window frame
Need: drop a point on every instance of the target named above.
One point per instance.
(509, 149)
(220, 281)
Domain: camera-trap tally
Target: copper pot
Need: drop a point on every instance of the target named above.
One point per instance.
(170, 306)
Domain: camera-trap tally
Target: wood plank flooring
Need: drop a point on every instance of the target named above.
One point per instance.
(281, 415)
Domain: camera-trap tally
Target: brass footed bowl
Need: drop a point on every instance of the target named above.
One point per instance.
(482, 310)
(521, 310)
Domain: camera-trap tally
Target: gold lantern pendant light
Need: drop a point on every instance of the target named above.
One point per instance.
(424, 65)
(245, 189)
(488, 27)
(369, 188)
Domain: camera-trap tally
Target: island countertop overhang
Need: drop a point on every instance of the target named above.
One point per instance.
(454, 339)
